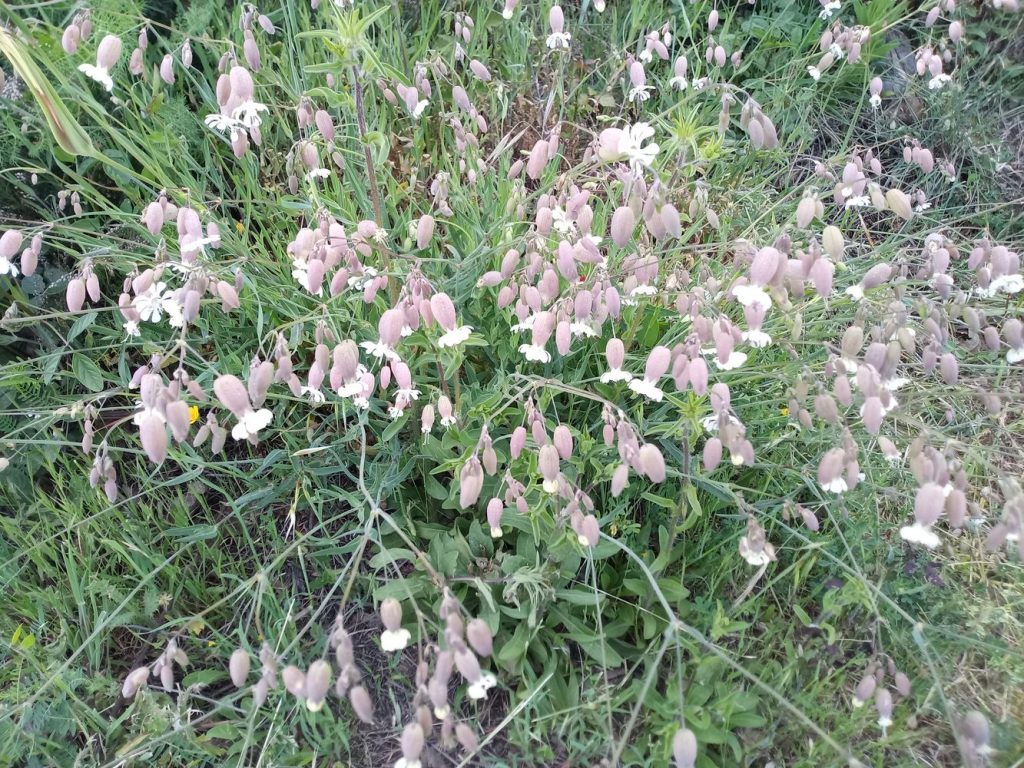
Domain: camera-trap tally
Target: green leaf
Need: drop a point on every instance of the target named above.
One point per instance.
(81, 324)
(87, 372)
(395, 427)
(661, 501)
(189, 534)
(71, 137)
(579, 596)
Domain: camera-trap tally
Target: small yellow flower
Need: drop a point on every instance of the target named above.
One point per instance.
(784, 411)
(193, 414)
(239, 226)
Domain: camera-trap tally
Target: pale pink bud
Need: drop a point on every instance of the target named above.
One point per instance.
(466, 737)
(538, 159)
(232, 394)
(517, 442)
(251, 52)
(471, 481)
(108, 52)
(956, 508)
(494, 509)
(698, 373)
(865, 688)
(902, 684)
(154, 437)
(167, 69)
(361, 703)
(424, 231)
(589, 531)
(658, 363)
(228, 295)
(832, 242)
(468, 665)
(562, 439)
(134, 681)
(75, 294)
(10, 242)
(391, 614)
(872, 414)
(929, 503)
(294, 680)
(548, 463)
(563, 337)
(318, 682)
(623, 223)
(479, 636)
(390, 325)
(684, 743)
(70, 39)
(178, 419)
(238, 667)
(412, 743)
(652, 463)
(260, 378)
(712, 454)
(444, 407)
(241, 84)
(637, 76)
(135, 62)
(950, 369)
(29, 261)
(620, 479)
(479, 70)
(556, 19)
(899, 203)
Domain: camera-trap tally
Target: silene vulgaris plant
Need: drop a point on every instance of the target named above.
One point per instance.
(510, 376)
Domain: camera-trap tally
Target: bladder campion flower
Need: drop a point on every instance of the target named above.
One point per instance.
(107, 54)
(559, 39)
(394, 637)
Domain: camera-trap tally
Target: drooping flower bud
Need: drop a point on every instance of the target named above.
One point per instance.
(684, 747)
(238, 667)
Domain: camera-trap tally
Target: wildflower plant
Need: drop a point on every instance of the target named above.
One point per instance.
(506, 383)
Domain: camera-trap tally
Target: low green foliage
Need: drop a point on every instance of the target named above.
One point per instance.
(478, 473)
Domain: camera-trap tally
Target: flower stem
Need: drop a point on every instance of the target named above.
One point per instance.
(371, 174)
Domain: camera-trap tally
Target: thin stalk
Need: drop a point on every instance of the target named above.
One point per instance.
(371, 174)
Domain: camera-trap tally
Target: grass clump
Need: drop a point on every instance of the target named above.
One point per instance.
(430, 384)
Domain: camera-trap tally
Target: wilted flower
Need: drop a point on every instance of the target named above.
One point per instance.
(754, 546)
